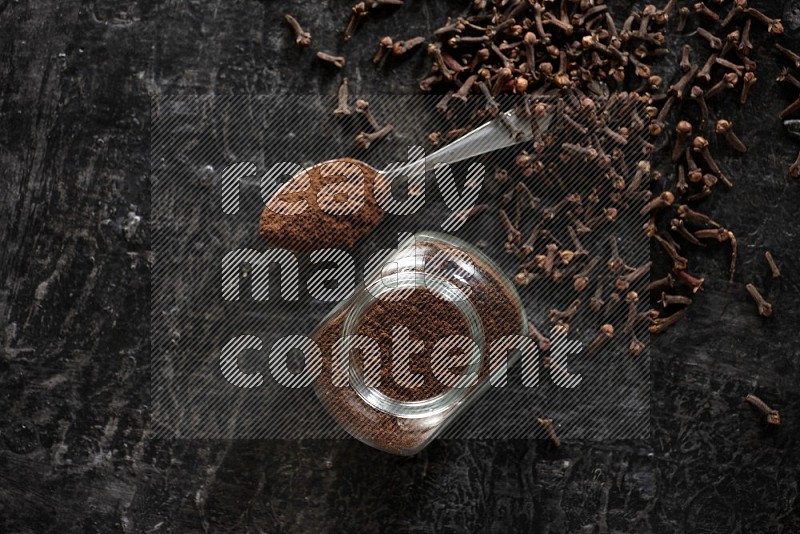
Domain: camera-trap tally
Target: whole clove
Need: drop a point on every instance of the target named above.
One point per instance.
(364, 140)
(773, 416)
(547, 424)
(566, 315)
(683, 130)
(773, 25)
(580, 281)
(728, 81)
(400, 48)
(698, 95)
(342, 107)
(683, 17)
(773, 266)
(704, 74)
(748, 80)
(336, 61)
(725, 128)
(791, 55)
(713, 41)
(357, 12)
(622, 283)
(664, 200)
(674, 300)
(606, 332)
(660, 325)
(685, 63)
(302, 37)
(764, 307)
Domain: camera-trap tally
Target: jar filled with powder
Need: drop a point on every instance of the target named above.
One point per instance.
(409, 351)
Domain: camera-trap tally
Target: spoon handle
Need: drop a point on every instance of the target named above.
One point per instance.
(506, 130)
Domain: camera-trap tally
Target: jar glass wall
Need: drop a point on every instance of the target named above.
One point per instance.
(408, 352)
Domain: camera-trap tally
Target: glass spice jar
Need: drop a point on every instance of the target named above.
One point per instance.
(408, 352)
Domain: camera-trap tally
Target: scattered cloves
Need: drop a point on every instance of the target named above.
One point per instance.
(698, 95)
(700, 144)
(785, 76)
(678, 261)
(704, 74)
(792, 108)
(695, 283)
(676, 225)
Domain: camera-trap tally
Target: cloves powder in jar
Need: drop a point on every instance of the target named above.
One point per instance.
(500, 313)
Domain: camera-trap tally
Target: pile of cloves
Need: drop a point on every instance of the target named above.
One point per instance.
(793, 109)
(576, 50)
(594, 157)
(530, 46)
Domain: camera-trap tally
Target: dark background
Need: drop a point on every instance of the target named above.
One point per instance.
(75, 448)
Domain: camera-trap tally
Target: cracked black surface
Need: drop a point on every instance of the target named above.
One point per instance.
(75, 447)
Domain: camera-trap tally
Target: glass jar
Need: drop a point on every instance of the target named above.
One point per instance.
(409, 350)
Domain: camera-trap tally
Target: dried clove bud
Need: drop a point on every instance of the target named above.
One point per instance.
(773, 416)
(400, 48)
(357, 12)
(764, 307)
(683, 130)
(773, 267)
(364, 140)
(547, 424)
(748, 80)
(336, 61)
(664, 200)
(659, 325)
(773, 25)
(725, 128)
(606, 332)
(342, 107)
(302, 37)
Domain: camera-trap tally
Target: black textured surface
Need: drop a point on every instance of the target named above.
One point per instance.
(75, 453)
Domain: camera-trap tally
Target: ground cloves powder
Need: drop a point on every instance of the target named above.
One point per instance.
(412, 416)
